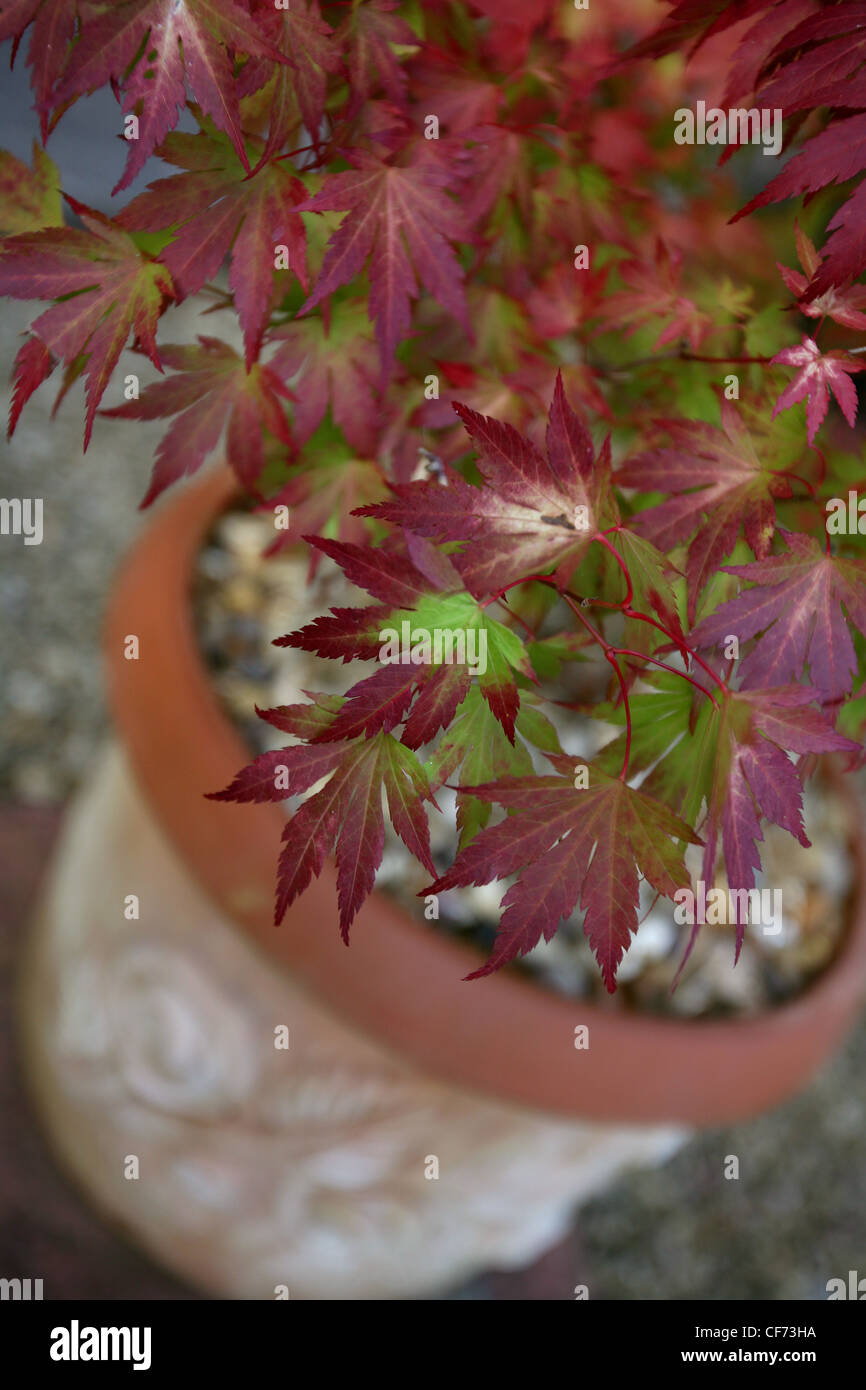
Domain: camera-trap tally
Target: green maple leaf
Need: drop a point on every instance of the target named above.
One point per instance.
(29, 198)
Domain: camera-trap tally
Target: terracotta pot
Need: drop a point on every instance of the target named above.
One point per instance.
(400, 980)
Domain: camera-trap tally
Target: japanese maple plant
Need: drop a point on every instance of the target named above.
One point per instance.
(517, 362)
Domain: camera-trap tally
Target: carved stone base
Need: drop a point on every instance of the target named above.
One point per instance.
(151, 1047)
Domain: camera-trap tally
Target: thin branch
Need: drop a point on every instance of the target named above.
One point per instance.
(603, 540)
(625, 651)
(611, 656)
(682, 646)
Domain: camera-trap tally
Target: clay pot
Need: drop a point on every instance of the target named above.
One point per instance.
(400, 980)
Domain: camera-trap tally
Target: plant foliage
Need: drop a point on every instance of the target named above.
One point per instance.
(526, 370)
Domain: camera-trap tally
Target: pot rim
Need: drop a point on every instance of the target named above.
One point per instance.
(399, 981)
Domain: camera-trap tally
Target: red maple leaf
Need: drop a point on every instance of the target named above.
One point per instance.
(171, 45)
(569, 845)
(731, 756)
(720, 484)
(323, 489)
(510, 30)
(654, 293)
(337, 363)
(283, 772)
(499, 165)
(533, 514)
(213, 391)
(108, 289)
(844, 305)
(819, 374)
(797, 605)
(219, 208)
(845, 249)
(694, 17)
(751, 776)
(797, 57)
(817, 76)
(463, 95)
(758, 44)
(301, 83)
(33, 365)
(367, 35)
(835, 155)
(400, 216)
(53, 31)
(345, 817)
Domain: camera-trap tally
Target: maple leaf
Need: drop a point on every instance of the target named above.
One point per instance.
(845, 249)
(689, 18)
(670, 715)
(720, 485)
(654, 293)
(213, 391)
(797, 603)
(417, 607)
(33, 365)
(464, 99)
(301, 83)
(817, 76)
(344, 634)
(730, 760)
(53, 31)
(282, 772)
(368, 35)
(533, 514)
(475, 745)
(321, 493)
(568, 845)
(833, 156)
(386, 575)
(759, 43)
(750, 776)
(220, 209)
(785, 714)
(29, 198)
(343, 818)
(333, 360)
(842, 304)
(652, 577)
(395, 212)
(174, 44)
(819, 374)
(109, 289)
(797, 59)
